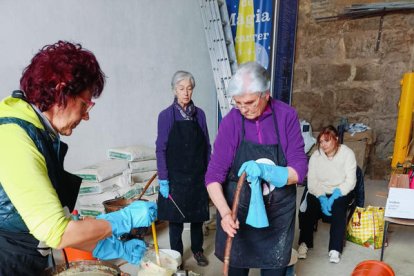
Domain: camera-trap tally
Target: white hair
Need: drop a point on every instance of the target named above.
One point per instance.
(182, 75)
(250, 77)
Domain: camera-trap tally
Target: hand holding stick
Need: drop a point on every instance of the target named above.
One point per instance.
(234, 209)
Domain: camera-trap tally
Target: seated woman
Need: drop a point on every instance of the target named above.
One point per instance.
(331, 179)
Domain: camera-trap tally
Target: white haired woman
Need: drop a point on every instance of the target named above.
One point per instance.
(183, 150)
(259, 127)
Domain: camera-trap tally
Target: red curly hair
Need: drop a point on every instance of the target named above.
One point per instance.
(62, 62)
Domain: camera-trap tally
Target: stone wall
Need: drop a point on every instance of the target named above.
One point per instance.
(338, 74)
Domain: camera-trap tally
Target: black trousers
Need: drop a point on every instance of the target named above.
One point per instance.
(197, 238)
(313, 213)
(234, 271)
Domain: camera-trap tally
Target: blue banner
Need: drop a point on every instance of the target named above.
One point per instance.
(251, 25)
(252, 28)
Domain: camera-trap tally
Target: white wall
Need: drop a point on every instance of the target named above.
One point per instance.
(139, 44)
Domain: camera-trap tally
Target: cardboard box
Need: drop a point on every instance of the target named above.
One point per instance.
(361, 144)
(361, 151)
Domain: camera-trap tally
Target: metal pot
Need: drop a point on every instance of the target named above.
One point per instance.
(95, 268)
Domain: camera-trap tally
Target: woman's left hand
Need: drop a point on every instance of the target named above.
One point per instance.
(335, 195)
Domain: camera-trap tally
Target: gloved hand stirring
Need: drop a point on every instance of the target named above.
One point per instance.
(137, 214)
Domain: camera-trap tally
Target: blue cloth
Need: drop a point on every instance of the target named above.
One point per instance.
(275, 175)
(335, 195)
(256, 215)
(325, 205)
(164, 187)
(137, 214)
(112, 248)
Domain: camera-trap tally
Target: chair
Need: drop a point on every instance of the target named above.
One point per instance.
(358, 199)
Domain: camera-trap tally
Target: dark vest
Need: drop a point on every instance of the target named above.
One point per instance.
(14, 234)
(10, 219)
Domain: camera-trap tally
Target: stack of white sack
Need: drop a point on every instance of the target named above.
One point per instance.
(97, 199)
(125, 175)
(141, 167)
(102, 170)
(101, 180)
(132, 153)
(92, 205)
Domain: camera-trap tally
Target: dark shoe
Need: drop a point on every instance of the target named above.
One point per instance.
(201, 259)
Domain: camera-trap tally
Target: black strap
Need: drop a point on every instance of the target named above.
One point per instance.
(19, 94)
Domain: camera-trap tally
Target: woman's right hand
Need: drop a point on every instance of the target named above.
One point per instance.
(137, 214)
(229, 225)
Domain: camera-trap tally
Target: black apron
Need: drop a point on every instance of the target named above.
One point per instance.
(187, 164)
(19, 253)
(268, 247)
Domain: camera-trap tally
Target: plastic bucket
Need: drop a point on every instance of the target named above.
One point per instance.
(373, 268)
(173, 254)
(78, 255)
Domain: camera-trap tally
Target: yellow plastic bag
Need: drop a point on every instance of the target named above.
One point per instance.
(366, 227)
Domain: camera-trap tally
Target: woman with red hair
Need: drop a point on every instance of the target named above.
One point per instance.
(331, 179)
(36, 193)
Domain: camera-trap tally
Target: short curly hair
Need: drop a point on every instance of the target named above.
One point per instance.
(62, 62)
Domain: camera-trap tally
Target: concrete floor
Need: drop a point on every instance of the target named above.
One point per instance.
(398, 254)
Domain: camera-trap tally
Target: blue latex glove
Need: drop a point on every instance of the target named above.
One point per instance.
(324, 205)
(335, 195)
(112, 248)
(138, 214)
(273, 174)
(164, 187)
(257, 216)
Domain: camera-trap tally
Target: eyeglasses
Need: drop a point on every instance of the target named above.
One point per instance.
(248, 105)
(87, 104)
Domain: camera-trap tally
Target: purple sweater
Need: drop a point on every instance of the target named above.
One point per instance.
(165, 123)
(260, 131)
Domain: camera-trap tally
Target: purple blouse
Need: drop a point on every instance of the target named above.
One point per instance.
(165, 123)
(262, 131)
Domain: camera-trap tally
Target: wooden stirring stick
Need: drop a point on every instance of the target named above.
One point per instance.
(145, 188)
(154, 237)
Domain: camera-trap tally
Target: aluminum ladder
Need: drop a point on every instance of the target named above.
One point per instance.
(221, 48)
